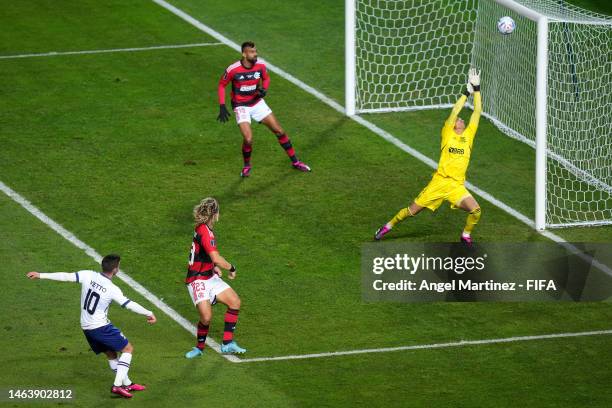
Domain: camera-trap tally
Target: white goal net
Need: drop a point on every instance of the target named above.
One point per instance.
(412, 54)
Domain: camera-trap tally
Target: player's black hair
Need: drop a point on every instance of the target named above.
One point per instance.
(248, 44)
(110, 262)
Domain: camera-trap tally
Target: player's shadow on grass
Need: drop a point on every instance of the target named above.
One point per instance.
(322, 138)
(232, 192)
(183, 214)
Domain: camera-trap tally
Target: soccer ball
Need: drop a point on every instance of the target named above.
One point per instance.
(506, 25)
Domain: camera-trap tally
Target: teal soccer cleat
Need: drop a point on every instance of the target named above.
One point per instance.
(232, 347)
(193, 353)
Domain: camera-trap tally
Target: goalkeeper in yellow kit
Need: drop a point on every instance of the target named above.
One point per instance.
(447, 182)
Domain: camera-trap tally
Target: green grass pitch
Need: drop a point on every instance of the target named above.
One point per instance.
(118, 148)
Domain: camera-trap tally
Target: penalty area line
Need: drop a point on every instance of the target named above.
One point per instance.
(461, 343)
(155, 47)
(144, 292)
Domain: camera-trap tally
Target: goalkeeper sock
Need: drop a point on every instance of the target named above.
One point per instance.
(202, 333)
(284, 141)
(246, 154)
(399, 217)
(472, 220)
(231, 318)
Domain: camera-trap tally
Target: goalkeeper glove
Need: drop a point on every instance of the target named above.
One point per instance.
(223, 114)
(261, 92)
(469, 89)
(474, 79)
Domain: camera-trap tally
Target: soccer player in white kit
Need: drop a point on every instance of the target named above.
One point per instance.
(97, 293)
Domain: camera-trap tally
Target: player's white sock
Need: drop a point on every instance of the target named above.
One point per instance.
(123, 366)
(126, 380)
(465, 234)
(113, 364)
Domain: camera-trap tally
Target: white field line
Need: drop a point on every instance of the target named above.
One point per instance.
(428, 346)
(382, 133)
(70, 237)
(156, 47)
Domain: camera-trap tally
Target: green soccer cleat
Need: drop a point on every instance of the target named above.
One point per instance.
(232, 347)
(193, 353)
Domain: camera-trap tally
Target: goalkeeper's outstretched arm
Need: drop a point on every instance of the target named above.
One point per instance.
(474, 82)
(475, 118)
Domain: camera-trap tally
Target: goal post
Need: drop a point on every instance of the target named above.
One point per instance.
(349, 57)
(541, 115)
(406, 55)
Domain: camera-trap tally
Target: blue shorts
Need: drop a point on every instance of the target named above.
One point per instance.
(105, 338)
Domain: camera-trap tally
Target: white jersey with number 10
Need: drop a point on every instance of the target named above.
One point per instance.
(97, 293)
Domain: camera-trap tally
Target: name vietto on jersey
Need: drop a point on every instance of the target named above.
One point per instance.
(97, 293)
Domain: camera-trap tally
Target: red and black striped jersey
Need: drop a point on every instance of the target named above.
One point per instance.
(200, 264)
(244, 83)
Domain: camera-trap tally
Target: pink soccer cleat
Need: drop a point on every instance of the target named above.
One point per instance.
(467, 240)
(122, 391)
(381, 232)
(301, 166)
(135, 387)
(246, 171)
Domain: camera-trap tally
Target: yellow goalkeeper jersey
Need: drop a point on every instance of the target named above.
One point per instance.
(455, 149)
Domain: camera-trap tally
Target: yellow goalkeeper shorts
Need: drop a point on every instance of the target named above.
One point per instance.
(442, 188)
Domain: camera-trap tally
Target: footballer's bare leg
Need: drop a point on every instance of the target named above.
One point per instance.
(470, 205)
(230, 298)
(111, 355)
(410, 211)
(128, 348)
(272, 123)
(247, 147)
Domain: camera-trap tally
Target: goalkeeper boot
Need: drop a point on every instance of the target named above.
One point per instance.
(246, 171)
(381, 232)
(301, 166)
(193, 353)
(467, 240)
(122, 391)
(232, 347)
